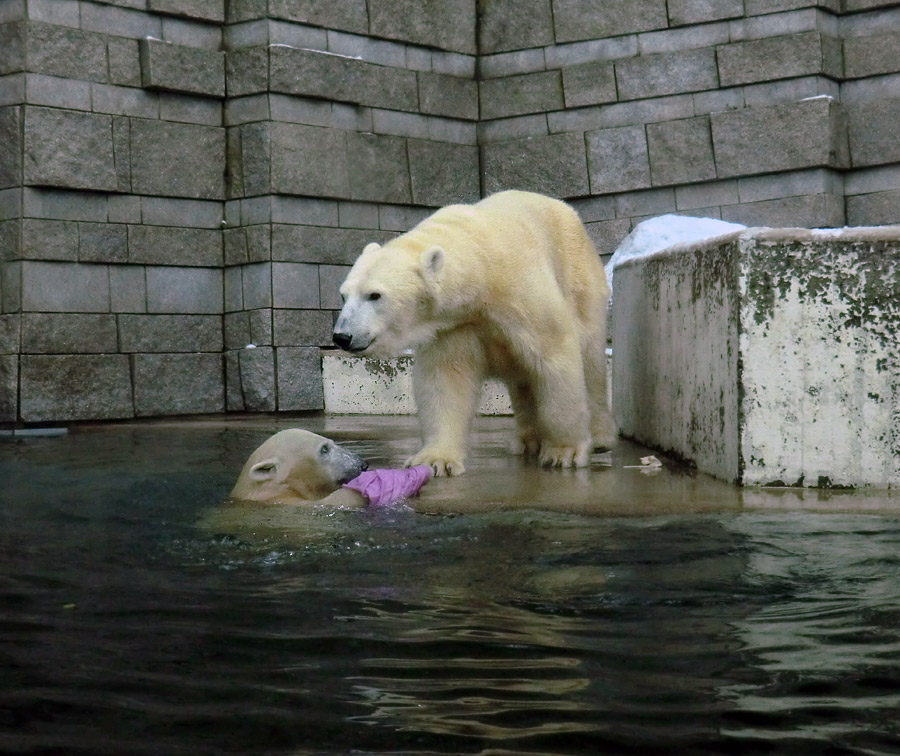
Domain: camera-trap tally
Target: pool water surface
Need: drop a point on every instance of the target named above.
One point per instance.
(604, 611)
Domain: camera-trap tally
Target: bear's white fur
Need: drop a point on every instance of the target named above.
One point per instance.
(296, 466)
(510, 287)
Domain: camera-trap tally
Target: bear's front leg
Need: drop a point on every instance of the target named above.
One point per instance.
(447, 377)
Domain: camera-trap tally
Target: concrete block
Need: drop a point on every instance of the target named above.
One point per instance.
(774, 58)
(124, 61)
(872, 55)
(49, 240)
(102, 242)
(513, 25)
(178, 384)
(178, 290)
(401, 217)
(784, 137)
(10, 287)
(395, 123)
(590, 19)
(161, 245)
(179, 68)
(706, 195)
(636, 205)
(618, 159)
(666, 74)
(116, 100)
(261, 327)
(12, 48)
(680, 151)
(349, 15)
(66, 52)
(448, 24)
(60, 388)
(165, 211)
(10, 248)
(203, 111)
(299, 379)
(120, 22)
(790, 90)
(380, 168)
(442, 174)
(257, 371)
(10, 329)
(69, 149)
(302, 327)
(366, 48)
(10, 147)
(234, 290)
(554, 165)
(453, 64)
(450, 96)
(296, 161)
(607, 235)
(257, 285)
(68, 333)
(320, 244)
(330, 279)
(512, 64)
(776, 186)
(295, 285)
(518, 95)
(9, 388)
(170, 333)
(204, 10)
(873, 132)
(682, 12)
(247, 71)
(127, 288)
(234, 396)
(177, 159)
(64, 287)
(796, 381)
(236, 329)
(589, 84)
(807, 211)
(121, 129)
(259, 243)
(759, 7)
(875, 209)
(357, 215)
(56, 92)
(508, 129)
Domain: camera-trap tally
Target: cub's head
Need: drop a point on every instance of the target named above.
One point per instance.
(296, 464)
(388, 300)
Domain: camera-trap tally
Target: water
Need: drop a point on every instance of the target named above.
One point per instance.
(127, 629)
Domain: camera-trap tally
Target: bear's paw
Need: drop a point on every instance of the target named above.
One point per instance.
(442, 464)
(565, 456)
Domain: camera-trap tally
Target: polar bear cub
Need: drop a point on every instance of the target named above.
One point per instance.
(509, 287)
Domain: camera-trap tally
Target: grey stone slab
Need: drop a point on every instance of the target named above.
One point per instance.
(259, 243)
(776, 186)
(234, 290)
(874, 209)
(303, 327)
(124, 61)
(588, 19)
(506, 129)
(56, 92)
(247, 71)
(58, 388)
(10, 329)
(173, 290)
(238, 11)
(317, 244)
(443, 174)
(64, 287)
(179, 68)
(117, 100)
(69, 149)
(205, 111)
(10, 248)
(759, 7)
(683, 12)
(170, 333)
(120, 22)
(261, 326)
(453, 131)
(60, 12)
(512, 63)
(295, 285)
(63, 205)
(236, 329)
(519, 95)
(808, 211)
(589, 84)
(102, 242)
(234, 397)
(164, 211)
(10, 147)
(873, 132)
(357, 215)
(178, 384)
(9, 388)
(11, 286)
(177, 159)
(305, 160)
(872, 55)
(784, 137)
(366, 48)
(293, 109)
(257, 280)
(127, 288)
(684, 38)
(63, 51)
(680, 151)
(234, 246)
(395, 123)
(699, 196)
(607, 235)
(67, 333)
(379, 168)
(161, 245)
(401, 217)
(666, 74)
(445, 24)
(121, 128)
(330, 279)
(205, 10)
(49, 240)
(349, 15)
(123, 208)
(300, 379)
(450, 96)
(257, 370)
(453, 64)
(554, 165)
(618, 160)
(12, 47)
(639, 204)
(514, 25)
(773, 58)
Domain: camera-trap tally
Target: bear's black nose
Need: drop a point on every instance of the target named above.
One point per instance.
(342, 339)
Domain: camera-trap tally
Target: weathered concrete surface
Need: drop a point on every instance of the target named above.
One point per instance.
(766, 357)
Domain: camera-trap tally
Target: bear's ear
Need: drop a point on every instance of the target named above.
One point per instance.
(371, 247)
(264, 470)
(432, 261)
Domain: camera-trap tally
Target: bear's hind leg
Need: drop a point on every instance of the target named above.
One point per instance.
(521, 398)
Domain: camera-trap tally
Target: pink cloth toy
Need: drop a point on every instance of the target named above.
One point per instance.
(387, 486)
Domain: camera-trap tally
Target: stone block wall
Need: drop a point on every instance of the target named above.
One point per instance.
(184, 183)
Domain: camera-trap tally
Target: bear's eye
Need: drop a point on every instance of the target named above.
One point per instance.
(374, 296)
(324, 449)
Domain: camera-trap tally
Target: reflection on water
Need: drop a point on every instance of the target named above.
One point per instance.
(125, 629)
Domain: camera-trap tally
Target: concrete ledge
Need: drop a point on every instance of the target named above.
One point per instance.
(363, 386)
(766, 357)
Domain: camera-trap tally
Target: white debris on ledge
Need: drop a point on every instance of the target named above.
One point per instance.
(648, 465)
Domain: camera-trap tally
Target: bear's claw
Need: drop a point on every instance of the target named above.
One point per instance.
(564, 456)
(441, 466)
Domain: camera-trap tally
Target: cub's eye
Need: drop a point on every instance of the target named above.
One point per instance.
(374, 296)
(324, 449)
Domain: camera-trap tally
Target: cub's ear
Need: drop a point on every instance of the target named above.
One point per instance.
(432, 261)
(371, 247)
(264, 470)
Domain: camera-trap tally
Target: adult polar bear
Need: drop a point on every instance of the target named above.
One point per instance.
(510, 287)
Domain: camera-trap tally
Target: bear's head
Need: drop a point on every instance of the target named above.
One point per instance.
(295, 464)
(389, 297)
